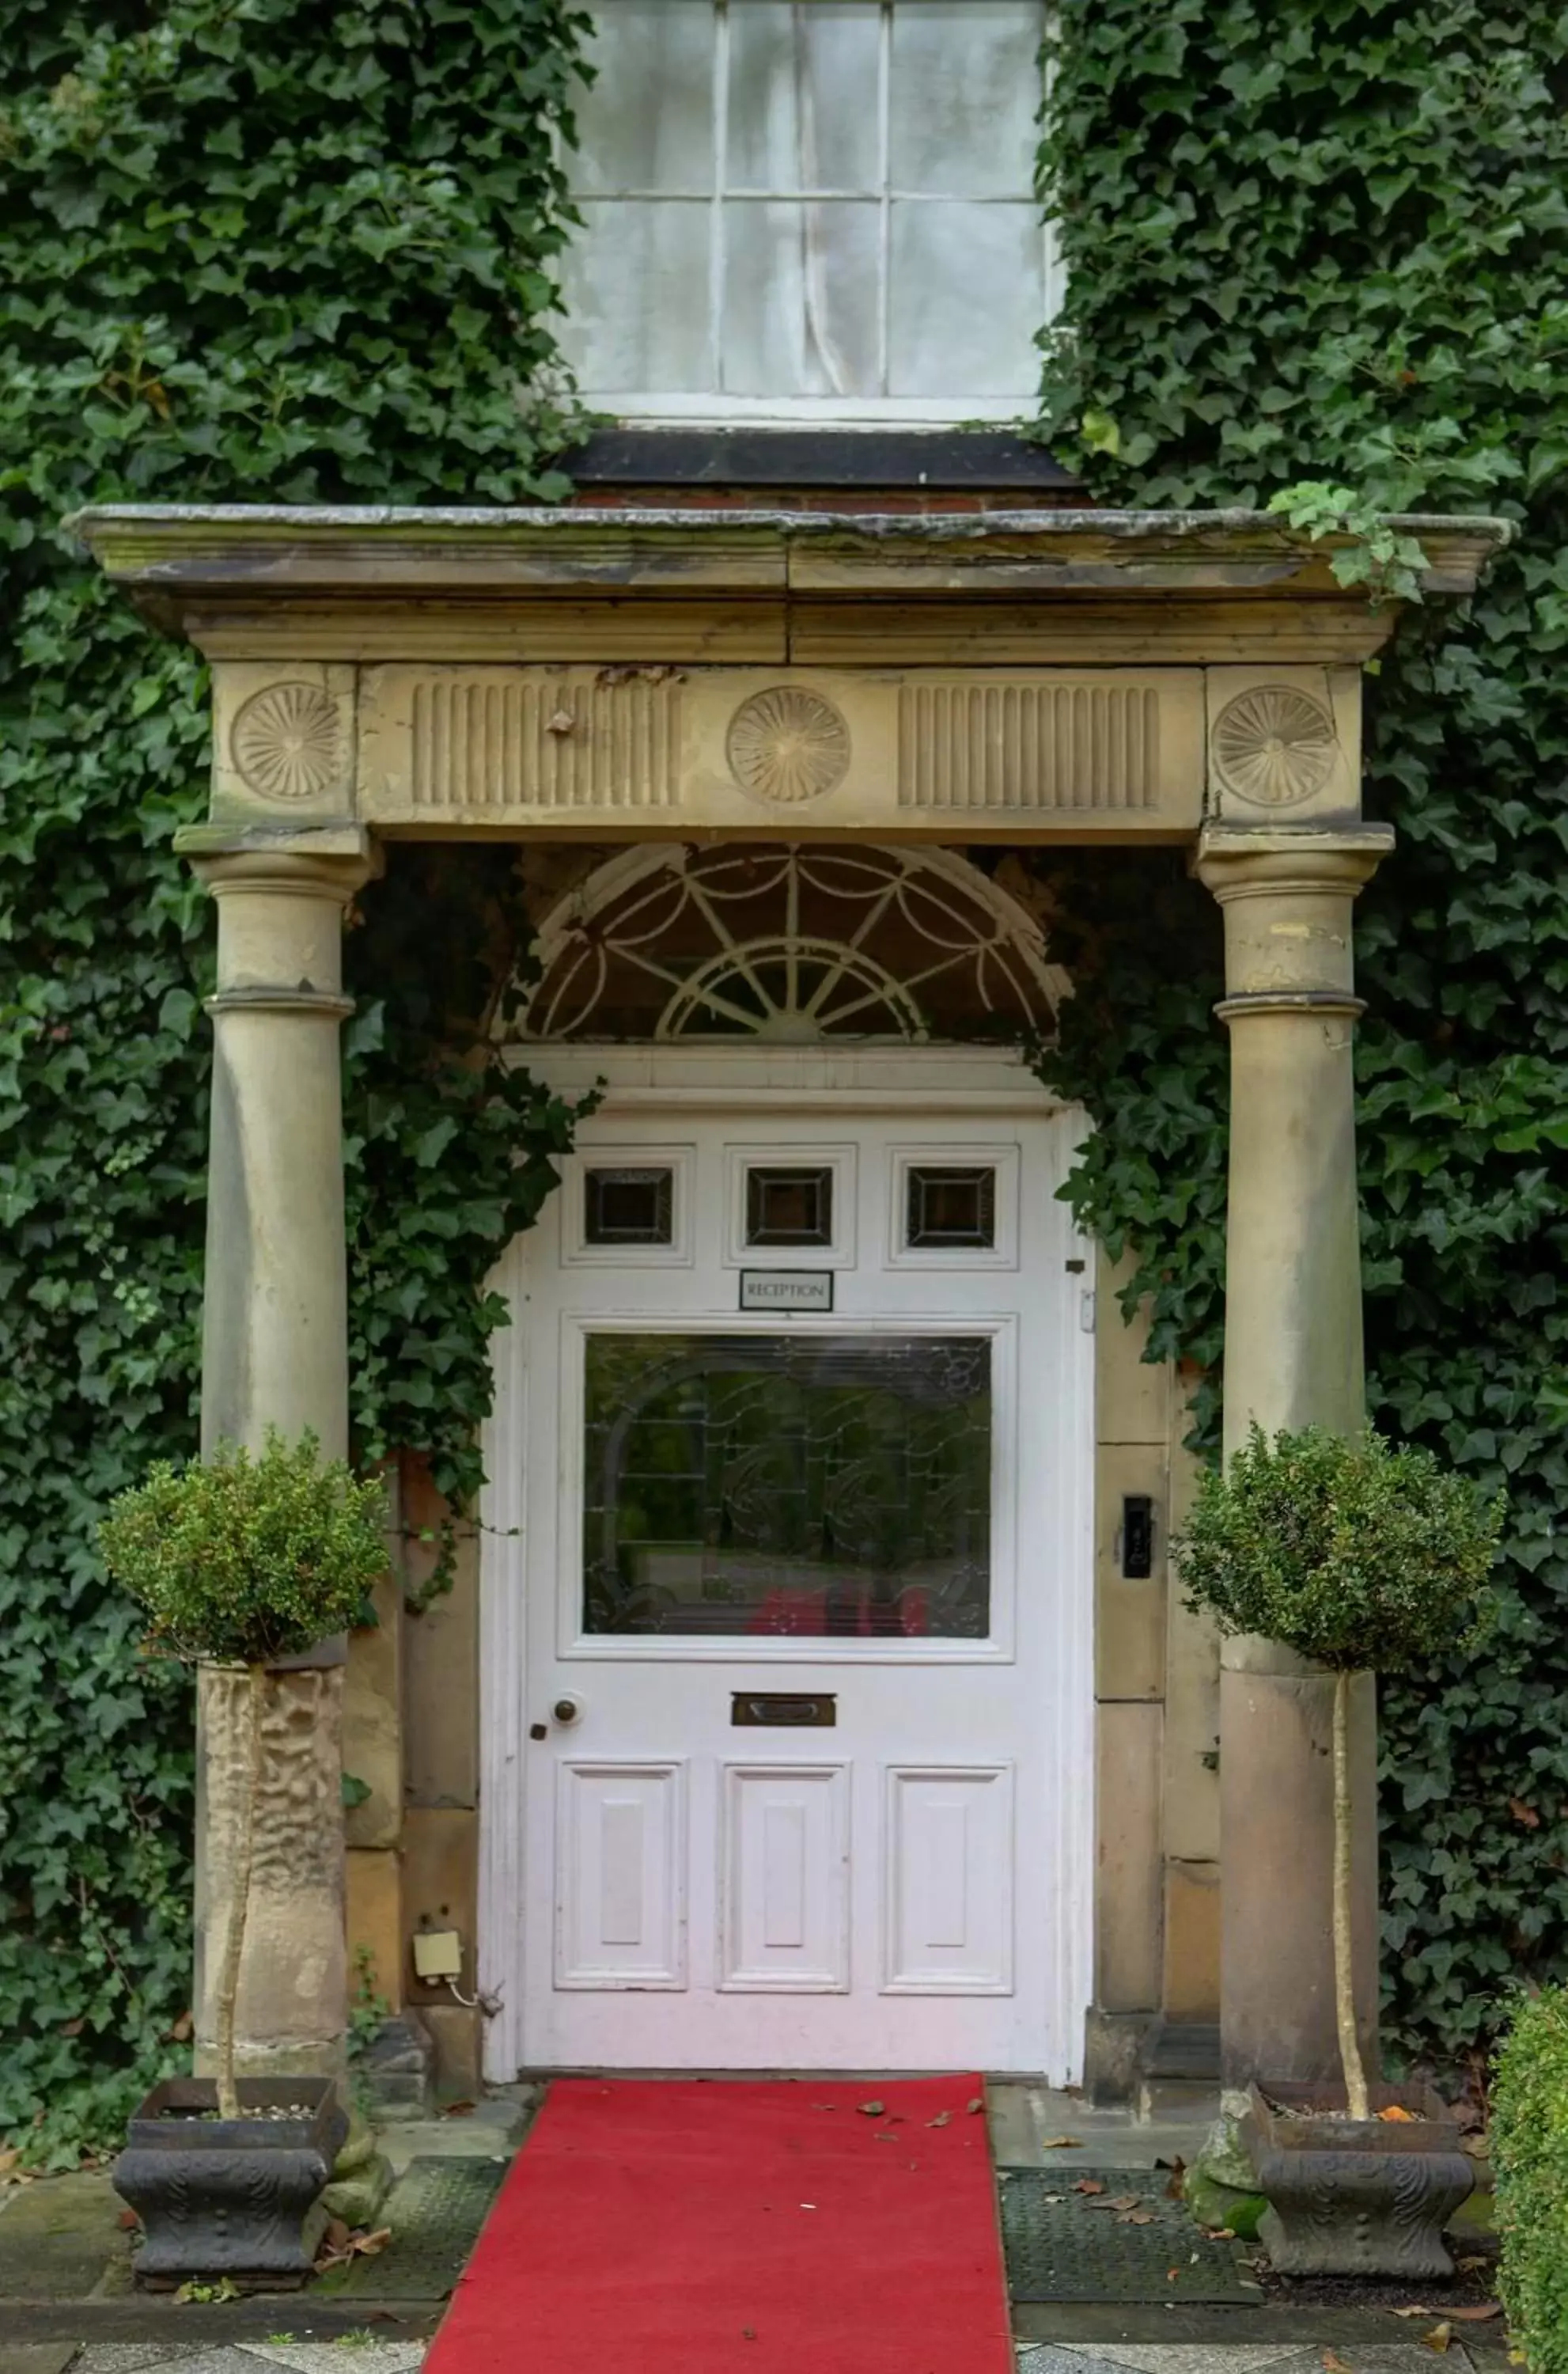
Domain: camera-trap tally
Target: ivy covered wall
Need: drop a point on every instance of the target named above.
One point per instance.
(266, 249)
(272, 251)
(1327, 239)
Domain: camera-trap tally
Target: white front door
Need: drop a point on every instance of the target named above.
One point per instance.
(798, 1684)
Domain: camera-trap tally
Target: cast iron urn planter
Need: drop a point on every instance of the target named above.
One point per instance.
(235, 2197)
(1355, 2196)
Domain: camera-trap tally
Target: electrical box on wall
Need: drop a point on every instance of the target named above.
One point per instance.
(438, 1955)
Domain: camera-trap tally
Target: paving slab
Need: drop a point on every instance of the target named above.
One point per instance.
(1037, 2126)
(336, 2357)
(1238, 2358)
(208, 2360)
(60, 2238)
(37, 2358)
(137, 2357)
(164, 2330)
(497, 2124)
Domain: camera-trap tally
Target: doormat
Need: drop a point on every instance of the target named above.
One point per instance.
(435, 2210)
(1119, 2240)
(739, 2227)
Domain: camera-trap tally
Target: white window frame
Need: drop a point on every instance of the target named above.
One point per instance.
(716, 408)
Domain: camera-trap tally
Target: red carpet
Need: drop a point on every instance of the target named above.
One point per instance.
(739, 2227)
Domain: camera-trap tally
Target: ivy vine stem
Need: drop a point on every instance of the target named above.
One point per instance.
(1345, 1966)
(239, 1896)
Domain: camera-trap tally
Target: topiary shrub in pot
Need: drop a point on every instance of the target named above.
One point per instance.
(1530, 2153)
(1363, 1558)
(240, 1561)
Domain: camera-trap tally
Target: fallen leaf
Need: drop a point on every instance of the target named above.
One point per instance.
(1468, 2266)
(71, 2027)
(1437, 2340)
(1395, 2116)
(1171, 2275)
(1053, 2200)
(872, 2110)
(1062, 2142)
(1088, 2184)
(1335, 2364)
(1523, 1814)
(975, 2105)
(1136, 2218)
(1179, 2171)
(458, 2111)
(127, 2221)
(1480, 2314)
(942, 2119)
(180, 2032)
(7, 2161)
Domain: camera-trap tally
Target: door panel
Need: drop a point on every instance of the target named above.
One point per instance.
(620, 1876)
(784, 1852)
(949, 1881)
(816, 1577)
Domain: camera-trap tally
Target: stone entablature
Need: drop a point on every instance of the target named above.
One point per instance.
(1062, 675)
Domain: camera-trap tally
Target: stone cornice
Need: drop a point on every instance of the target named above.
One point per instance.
(230, 548)
(1095, 587)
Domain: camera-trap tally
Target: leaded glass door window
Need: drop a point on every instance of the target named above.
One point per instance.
(809, 209)
(804, 1485)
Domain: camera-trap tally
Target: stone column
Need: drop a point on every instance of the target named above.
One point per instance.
(1293, 1357)
(274, 1353)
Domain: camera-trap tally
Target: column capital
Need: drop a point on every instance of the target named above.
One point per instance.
(1244, 861)
(332, 862)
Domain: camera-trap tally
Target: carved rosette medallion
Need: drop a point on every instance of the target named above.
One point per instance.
(288, 742)
(786, 746)
(1273, 746)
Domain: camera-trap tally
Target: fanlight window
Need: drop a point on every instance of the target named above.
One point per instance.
(790, 945)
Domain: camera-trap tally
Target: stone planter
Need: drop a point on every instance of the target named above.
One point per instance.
(1352, 2196)
(235, 2197)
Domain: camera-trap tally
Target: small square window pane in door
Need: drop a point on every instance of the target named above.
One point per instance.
(967, 296)
(801, 308)
(964, 97)
(634, 281)
(645, 122)
(949, 1208)
(629, 1207)
(816, 1486)
(802, 112)
(789, 1206)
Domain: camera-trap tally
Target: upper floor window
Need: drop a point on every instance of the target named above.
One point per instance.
(809, 209)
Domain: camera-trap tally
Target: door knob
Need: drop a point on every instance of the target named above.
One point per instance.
(566, 1709)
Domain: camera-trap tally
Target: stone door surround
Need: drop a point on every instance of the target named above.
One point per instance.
(1059, 675)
